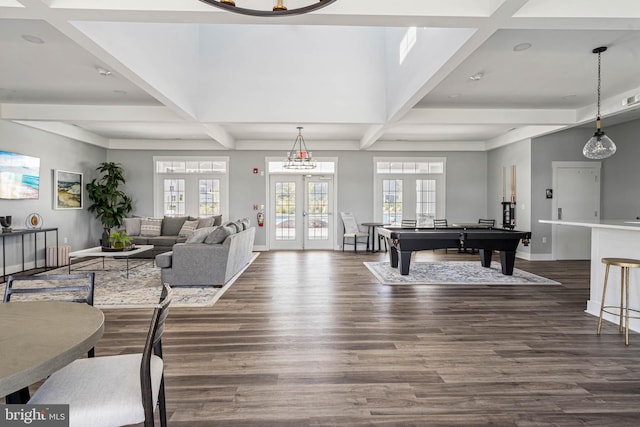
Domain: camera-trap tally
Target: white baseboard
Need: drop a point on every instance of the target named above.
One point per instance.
(535, 257)
(593, 308)
(260, 248)
(28, 265)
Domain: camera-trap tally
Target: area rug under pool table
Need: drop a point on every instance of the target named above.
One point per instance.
(453, 273)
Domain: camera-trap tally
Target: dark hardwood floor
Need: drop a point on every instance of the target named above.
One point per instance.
(312, 339)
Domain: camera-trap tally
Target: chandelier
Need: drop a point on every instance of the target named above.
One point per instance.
(279, 9)
(299, 157)
(599, 146)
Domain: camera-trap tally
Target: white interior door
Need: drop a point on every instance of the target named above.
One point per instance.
(576, 197)
(301, 212)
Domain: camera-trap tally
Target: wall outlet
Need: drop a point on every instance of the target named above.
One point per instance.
(65, 240)
(544, 240)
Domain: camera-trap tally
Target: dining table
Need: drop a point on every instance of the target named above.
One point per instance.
(38, 338)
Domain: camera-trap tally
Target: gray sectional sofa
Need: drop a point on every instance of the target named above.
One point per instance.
(210, 256)
(165, 232)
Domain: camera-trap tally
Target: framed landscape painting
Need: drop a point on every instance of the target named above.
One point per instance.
(67, 190)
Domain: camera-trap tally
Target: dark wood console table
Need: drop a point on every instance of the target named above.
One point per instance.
(21, 234)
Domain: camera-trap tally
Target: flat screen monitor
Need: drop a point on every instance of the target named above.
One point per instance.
(19, 176)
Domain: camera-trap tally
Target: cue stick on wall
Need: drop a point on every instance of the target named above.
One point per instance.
(513, 183)
(504, 184)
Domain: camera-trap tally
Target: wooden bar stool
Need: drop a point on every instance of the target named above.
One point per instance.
(625, 264)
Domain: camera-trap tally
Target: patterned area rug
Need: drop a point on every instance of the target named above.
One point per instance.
(453, 273)
(142, 288)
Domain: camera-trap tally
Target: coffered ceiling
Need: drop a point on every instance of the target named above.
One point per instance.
(180, 74)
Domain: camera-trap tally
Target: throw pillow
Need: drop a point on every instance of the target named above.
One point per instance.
(171, 225)
(206, 221)
(219, 235)
(199, 235)
(150, 227)
(233, 225)
(132, 226)
(246, 223)
(188, 228)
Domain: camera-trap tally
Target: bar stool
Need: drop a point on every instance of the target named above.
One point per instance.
(625, 264)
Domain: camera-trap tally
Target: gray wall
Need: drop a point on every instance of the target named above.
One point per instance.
(79, 227)
(620, 175)
(518, 154)
(466, 181)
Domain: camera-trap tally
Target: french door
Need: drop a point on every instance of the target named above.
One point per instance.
(301, 212)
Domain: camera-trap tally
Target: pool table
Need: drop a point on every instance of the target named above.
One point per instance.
(404, 241)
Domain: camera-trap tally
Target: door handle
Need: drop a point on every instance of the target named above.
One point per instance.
(559, 213)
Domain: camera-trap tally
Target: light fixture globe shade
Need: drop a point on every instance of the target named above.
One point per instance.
(600, 146)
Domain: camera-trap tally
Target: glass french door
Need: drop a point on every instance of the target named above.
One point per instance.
(301, 212)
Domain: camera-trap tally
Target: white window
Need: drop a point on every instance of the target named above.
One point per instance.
(409, 189)
(194, 186)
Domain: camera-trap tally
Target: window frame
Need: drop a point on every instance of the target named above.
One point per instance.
(192, 184)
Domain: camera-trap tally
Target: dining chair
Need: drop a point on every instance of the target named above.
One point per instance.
(60, 287)
(114, 390)
(408, 223)
(351, 231)
(440, 223)
(489, 222)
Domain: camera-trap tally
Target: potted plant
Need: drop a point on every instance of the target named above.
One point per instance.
(110, 204)
(120, 240)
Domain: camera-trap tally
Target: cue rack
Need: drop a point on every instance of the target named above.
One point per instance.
(509, 206)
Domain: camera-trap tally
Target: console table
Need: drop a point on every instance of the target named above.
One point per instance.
(21, 234)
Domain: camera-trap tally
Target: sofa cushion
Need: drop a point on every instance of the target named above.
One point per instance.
(132, 226)
(139, 240)
(162, 240)
(171, 225)
(219, 234)
(199, 235)
(188, 227)
(164, 260)
(150, 227)
(206, 221)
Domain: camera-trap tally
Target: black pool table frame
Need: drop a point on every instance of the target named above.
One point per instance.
(404, 241)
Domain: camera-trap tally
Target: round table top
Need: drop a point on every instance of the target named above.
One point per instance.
(38, 338)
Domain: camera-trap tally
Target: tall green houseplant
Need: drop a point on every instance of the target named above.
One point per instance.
(110, 204)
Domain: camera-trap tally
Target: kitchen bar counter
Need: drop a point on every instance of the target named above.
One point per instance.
(611, 239)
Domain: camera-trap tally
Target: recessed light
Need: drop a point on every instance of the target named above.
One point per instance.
(120, 92)
(521, 46)
(454, 95)
(476, 76)
(103, 72)
(32, 39)
(569, 96)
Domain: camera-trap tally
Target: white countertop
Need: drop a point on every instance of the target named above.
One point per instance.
(614, 224)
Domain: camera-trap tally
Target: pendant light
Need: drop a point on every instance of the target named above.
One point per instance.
(279, 9)
(299, 157)
(600, 146)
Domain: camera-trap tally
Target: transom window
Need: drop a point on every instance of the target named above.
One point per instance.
(409, 189)
(191, 186)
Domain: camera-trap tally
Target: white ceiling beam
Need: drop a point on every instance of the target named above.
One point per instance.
(164, 144)
(371, 136)
(521, 134)
(98, 113)
(220, 135)
(67, 130)
(489, 116)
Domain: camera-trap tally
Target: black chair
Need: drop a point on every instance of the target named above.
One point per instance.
(488, 222)
(79, 287)
(408, 223)
(114, 390)
(69, 287)
(440, 223)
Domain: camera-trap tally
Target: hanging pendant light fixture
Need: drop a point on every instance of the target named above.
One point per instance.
(279, 9)
(600, 146)
(299, 157)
